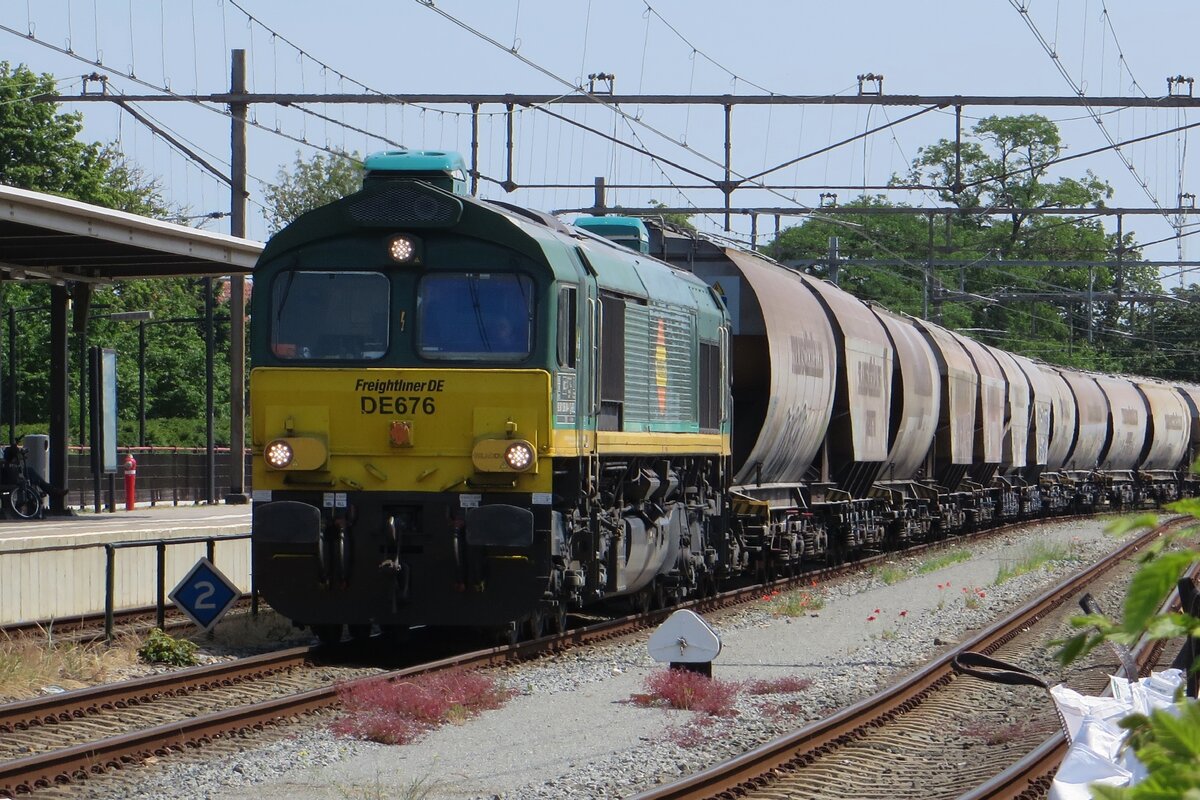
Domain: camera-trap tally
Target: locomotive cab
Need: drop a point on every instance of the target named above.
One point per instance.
(431, 374)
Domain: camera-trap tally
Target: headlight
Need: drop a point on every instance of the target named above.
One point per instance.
(518, 456)
(278, 454)
(402, 249)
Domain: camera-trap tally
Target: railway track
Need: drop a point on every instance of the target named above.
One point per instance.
(87, 628)
(907, 741)
(64, 738)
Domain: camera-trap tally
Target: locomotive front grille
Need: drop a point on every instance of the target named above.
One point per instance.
(404, 205)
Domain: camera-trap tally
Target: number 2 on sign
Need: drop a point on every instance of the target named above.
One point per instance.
(205, 590)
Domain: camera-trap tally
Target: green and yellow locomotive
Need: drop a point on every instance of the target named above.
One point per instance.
(466, 413)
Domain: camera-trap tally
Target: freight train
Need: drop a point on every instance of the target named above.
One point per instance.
(466, 413)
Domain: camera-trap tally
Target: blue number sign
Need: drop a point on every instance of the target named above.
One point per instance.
(205, 594)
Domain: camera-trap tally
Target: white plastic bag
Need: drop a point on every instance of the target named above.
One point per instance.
(1093, 728)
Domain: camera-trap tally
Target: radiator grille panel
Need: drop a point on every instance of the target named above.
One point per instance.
(405, 205)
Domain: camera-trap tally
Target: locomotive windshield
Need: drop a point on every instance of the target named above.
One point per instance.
(330, 315)
(475, 315)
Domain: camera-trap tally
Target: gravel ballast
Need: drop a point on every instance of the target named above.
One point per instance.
(572, 732)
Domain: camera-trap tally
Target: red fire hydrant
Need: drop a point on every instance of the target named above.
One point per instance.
(130, 481)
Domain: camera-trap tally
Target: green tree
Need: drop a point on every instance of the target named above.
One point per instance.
(678, 220)
(311, 184)
(897, 241)
(1038, 309)
(40, 150)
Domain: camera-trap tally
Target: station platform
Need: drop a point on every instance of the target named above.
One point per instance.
(58, 567)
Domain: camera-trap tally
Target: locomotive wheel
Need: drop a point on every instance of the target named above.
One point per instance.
(328, 635)
(360, 632)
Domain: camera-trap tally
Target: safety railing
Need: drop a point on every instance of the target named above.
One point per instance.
(160, 572)
(165, 476)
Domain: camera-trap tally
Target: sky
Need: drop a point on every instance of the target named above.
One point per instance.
(380, 47)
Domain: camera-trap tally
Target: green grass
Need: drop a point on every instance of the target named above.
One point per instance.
(943, 560)
(1034, 557)
(889, 574)
(798, 603)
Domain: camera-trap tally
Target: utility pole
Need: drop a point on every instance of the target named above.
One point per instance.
(1091, 293)
(237, 288)
(928, 274)
(833, 260)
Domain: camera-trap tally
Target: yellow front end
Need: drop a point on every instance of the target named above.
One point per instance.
(402, 496)
(407, 430)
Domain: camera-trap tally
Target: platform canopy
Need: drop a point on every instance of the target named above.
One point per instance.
(74, 246)
(50, 238)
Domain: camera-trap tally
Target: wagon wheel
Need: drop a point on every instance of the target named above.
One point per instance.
(509, 634)
(558, 618)
(535, 624)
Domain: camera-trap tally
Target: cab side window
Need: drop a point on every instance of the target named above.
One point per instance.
(568, 335)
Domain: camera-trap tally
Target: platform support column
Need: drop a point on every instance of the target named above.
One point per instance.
(60, 412)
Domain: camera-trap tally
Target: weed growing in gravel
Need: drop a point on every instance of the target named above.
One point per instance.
(989, 733)
(1034, 557)
(889, 574)
(692, 733)
(688, 691)
(417, 789)
(241, 631)
(402, 711)
(972, 596)
(30, 662)
(163, 648)
(785, 685)
(799, 603)
(790, 710)
(943, 560)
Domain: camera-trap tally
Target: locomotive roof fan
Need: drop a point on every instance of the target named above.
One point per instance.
(444, 169)
(628, 231)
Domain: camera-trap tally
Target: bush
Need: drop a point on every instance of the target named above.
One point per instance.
(399, 712)
(689, 691)
(162, 648)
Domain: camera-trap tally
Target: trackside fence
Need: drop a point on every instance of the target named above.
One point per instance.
(165, 476)
(86, 579)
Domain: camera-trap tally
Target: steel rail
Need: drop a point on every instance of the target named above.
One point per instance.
(67, 764)
(753, 769)
(25, 714)
(1030, 777)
